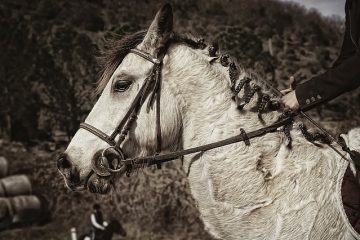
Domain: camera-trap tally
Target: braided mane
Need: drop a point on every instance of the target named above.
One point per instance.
(267, 98)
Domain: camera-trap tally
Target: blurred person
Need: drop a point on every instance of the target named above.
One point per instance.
(97, 221)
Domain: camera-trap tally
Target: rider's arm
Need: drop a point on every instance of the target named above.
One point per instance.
(336, 81)
(95, 223)
(344, 76)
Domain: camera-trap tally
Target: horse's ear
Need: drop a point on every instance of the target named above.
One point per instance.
(160, 28)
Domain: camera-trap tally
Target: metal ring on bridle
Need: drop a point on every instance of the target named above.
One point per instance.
(121, 157)
(105, 165)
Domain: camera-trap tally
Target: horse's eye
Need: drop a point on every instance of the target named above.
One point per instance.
(121, 85)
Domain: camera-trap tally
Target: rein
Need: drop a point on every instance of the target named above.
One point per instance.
(242, 137)
(325, 132)
(113, 160)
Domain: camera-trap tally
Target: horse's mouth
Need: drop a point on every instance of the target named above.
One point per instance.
(76, 188)
(98, 184)
(82, 185)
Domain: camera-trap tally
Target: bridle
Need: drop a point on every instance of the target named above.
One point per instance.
(152, 87)
(104, 166)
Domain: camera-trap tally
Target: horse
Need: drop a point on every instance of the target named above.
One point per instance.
(276, 186)
(113, 227)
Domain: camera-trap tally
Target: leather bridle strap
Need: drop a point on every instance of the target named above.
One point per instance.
(111, 139)
(132, 113)
(145, 56)
(140, 94)
(100, 134)
(158, 159)
(158, 121)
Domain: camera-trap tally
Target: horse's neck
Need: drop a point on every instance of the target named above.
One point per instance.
(212, 116)
(206, 123)
(208, 112)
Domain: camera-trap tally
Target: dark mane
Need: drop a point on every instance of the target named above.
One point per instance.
(114, 52)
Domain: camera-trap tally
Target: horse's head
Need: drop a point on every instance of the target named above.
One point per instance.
(122, 80)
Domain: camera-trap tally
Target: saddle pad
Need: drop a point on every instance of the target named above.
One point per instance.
(350, 194)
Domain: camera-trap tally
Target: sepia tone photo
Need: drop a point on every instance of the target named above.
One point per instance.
(204, 120)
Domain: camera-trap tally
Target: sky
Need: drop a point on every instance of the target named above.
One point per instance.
(326, 7)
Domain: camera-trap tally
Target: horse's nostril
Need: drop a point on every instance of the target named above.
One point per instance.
(74, 175)
(63, 162)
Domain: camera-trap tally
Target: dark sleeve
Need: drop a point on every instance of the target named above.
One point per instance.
(340, 79)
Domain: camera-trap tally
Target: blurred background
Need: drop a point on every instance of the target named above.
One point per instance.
(48, 73)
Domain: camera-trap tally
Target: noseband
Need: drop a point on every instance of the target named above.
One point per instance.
(152, 87)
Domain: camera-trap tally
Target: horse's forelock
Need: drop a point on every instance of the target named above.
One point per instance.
(116, 48)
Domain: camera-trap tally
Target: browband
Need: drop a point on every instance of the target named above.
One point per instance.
(145, 56)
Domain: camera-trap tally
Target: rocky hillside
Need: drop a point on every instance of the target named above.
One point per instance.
(48, 70)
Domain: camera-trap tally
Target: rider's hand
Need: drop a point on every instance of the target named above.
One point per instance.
(289, 99)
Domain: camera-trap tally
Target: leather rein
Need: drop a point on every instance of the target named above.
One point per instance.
(152, 86)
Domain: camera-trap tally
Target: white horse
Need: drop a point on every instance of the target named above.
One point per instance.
(262, 191)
